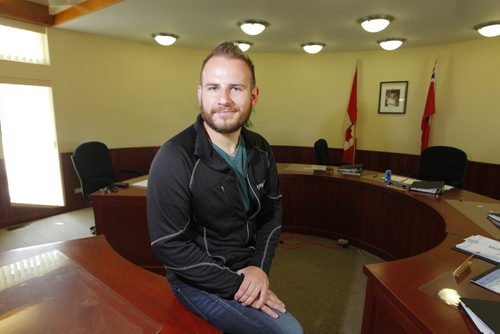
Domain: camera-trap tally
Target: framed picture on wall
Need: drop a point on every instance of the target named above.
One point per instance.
(392, 99)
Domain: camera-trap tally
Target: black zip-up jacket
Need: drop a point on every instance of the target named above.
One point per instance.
(197, 222)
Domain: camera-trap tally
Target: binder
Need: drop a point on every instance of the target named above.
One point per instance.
(429, 187)
(483, 314)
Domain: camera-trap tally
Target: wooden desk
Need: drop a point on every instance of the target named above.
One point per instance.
(111, 293)
(122, 218)
(414, 232)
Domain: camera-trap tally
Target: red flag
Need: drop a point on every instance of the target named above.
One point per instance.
(430, 109)
(350, 122)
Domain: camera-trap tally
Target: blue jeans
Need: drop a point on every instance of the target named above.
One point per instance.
(229, 315)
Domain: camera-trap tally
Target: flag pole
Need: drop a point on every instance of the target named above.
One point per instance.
(355, 142)
(354, 152)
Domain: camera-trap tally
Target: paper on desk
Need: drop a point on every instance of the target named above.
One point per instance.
(401, 179)
(398, 178)
(141, 184)
(316, 167)
(483, 247)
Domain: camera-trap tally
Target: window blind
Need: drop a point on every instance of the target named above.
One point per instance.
(23, 45)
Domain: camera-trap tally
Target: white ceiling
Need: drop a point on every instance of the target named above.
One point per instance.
(206, 23)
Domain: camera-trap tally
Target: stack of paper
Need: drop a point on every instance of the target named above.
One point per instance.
(482, 247)
(494, 217)
(355, 169)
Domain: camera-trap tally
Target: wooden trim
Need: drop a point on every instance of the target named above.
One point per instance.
(83, 9)
(27, 11)
(481, 178)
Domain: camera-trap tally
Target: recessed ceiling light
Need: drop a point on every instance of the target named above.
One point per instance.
(391, 43)
(489, 29)
(164, 38)
(375, 23)
(253, 27)
(313, 47)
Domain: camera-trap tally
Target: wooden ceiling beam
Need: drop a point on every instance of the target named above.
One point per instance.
(32, 12)
(27, 11)
(82, 9)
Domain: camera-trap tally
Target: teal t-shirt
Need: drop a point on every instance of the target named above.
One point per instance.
(238, 164)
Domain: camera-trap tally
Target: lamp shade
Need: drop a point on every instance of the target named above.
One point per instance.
(312, 47)
(253, 27)
(490, 29)
(164, 38)
(375, 23)
(391, 43)
(243, 45)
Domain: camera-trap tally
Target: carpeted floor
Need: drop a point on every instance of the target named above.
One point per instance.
(72, 225)
(321, 283)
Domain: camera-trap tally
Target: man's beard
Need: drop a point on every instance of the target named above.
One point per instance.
(225, 128)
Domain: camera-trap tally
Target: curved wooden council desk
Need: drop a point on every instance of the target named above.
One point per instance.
(414, 232)
(122, 218)
(93, 290)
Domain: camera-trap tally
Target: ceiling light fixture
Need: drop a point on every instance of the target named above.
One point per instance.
(375, 23)
(253, 27)
(164, 38)
(489, 29)
(313, 47)
(243, 45)
(391, 43)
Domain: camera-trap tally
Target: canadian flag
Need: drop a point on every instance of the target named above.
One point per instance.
(350, 123)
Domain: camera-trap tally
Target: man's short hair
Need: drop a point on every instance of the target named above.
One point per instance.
(231, 51)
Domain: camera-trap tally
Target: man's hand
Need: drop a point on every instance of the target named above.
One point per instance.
(272, 302)
(253, 290)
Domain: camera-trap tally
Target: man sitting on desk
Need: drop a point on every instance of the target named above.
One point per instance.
(214, 206)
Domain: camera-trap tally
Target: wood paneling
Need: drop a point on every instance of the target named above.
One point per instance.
(482, 178)
(361, 212)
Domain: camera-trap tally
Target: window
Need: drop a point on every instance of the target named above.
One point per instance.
(27, 125)
(23, 45)
(30, 145)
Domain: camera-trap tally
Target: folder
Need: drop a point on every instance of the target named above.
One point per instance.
(429, 187)
(483, 314)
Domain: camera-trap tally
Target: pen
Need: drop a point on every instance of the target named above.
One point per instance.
(462, 267)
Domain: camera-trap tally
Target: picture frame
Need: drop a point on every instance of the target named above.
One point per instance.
(392, 97)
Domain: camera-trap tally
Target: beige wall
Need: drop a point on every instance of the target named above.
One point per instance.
(131, 94)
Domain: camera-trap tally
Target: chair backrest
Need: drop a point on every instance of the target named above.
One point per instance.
(443, 163)
(92, 163)
(321, 152)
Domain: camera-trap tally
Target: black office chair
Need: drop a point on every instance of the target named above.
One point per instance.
(93, 166)
(321, 152)
(443, 163)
